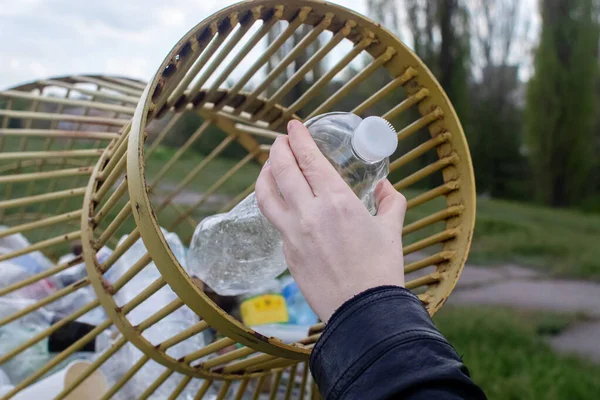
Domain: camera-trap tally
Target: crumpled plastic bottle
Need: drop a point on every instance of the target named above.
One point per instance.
(169, 326)
(239, 251)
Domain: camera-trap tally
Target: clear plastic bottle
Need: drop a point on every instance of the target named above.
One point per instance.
(240, 251)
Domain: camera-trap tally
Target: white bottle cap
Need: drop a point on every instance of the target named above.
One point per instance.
(374, 139)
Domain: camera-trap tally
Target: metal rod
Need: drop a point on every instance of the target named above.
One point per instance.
(238, 198)
(425, 280)
(155, 385)
(209, 349)
(450, 212)
(113, 176)
(46, 300)
(125, 82)
(5, 121)
(217, 60)
(195, 136)
(435, 259)
(103, 95)
(39, 155)
(160, 314)
(304, 380)
(119, 250)
(433, 193)
(225, 358)
(209, 45)
(184, 335)
(63, 117)
(242, 389)
(273, 364)
(111, 202)
(224, 389)
(256, 131)
(291, 56)
(180, 387)
(275, 385)
(192, 174)
(419, 150)
(270, 50)
(401, 80)
(259, 386)
(41, 245)
(406, 104)
(193, 223)
(41, 223)
(303, 70)
(114, 225)
(318, 85)
(92, 368)
(420, 123)
(126, 377)
(159, 138)
(264, 29)
(58, 133)
(243, 364)
(142, 296)
(130, 273)
(49, 331)
(342, 92)
(45, 175)
(39, 276)
(59, 358)
(431, 240)
(291, 381)
(67, 101)
(220, 182)
(426, 171)
(108, 85)
(203, 389)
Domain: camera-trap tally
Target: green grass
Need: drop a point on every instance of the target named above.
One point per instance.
(560, 242)
(507, 356)
(205, 178)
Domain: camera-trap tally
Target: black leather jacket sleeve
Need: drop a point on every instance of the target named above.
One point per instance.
(382, 344)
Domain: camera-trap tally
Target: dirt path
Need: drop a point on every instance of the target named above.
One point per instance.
(518, 287)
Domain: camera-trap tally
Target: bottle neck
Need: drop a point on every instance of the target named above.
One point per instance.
(358, 155)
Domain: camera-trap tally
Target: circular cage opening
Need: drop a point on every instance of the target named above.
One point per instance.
(136, 187)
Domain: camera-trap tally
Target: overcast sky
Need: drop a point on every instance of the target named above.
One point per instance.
(44, 38)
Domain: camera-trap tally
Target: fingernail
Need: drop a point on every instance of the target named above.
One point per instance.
(293, 124)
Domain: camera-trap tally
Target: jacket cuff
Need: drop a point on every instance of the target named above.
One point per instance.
(362, 330)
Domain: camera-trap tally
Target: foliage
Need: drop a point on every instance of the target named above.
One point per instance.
(560, 112)
(560, 242)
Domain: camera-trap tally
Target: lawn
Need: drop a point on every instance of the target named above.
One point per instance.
(561, 242)
(507, 356)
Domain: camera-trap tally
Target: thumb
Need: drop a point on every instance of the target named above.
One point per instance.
(391, 205)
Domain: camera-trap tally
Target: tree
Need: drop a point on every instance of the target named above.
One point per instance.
(441, 38)
(386, 13)
(494, 132)
(312, 76)
(560, 110)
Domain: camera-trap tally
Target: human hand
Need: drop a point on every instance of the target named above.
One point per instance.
(333, 246)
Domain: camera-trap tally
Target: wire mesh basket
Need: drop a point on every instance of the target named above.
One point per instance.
(136, 189)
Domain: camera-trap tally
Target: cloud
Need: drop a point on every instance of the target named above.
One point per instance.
(44, 38)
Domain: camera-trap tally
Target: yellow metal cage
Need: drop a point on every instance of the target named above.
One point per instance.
(98, 172)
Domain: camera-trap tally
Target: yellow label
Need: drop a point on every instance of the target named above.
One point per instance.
(264, 309)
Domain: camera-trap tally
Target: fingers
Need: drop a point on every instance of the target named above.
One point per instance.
(319, 173)
(391, 205)
(270, 203)
(288, 177)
